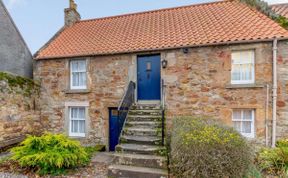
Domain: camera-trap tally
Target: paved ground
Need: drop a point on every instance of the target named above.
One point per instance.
(98, 168)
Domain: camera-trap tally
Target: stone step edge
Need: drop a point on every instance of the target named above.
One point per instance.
(138, 169)
(140, 156)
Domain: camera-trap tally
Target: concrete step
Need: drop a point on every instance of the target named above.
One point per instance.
(143, 124)
(138, 131)
(146, 112)
(143, 118)
(145, 140)
(150, 161)
(140, 149)
(122, 171)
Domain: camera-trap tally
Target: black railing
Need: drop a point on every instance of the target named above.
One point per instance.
(125, 104)
(163, 111)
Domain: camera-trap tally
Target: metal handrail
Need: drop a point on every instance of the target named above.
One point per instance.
(163, 111)
(125, 104)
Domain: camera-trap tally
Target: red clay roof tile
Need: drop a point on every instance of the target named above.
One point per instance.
(194, 25)
(281, 9)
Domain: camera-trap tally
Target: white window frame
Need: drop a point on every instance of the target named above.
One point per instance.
(71, 75)
(248, 135)
(252, 81)
(68, 106)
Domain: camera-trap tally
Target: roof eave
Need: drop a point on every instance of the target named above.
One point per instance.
(166, 48)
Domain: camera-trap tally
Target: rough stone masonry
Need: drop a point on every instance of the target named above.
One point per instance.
(196, 83)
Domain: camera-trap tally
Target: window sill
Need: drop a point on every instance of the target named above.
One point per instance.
(77, 91)
(235, 86)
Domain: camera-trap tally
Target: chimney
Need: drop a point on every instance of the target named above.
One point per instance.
(71, 14)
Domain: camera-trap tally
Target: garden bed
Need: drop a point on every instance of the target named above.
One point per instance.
(54, 156)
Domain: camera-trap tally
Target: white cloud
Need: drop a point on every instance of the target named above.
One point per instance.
(276, 1)
(13, 3)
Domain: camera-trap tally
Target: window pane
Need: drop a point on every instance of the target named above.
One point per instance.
(74, 66)
(74, 126)
(82, 79)
(237, 126)
(82, 126)
(236, 72)
(75, 79)
(246, 127)
(247, 115)
(74, 112)
(237, 114)
(236, 58)
(247, 56)
(82, 66)
(81, 113)
(246, 71)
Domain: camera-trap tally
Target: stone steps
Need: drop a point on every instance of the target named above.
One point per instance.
(143, 118)
(139, 160)
(146, 107)
(136, 131)
(145, 140)
(123, 171)
(146, 112)
(147, 124)
(140, 149)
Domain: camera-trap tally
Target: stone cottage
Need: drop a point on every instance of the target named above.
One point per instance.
(15, 56)
(222, 59)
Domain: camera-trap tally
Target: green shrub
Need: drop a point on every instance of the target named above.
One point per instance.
(274, 160)
(205, 148)
(50, 154)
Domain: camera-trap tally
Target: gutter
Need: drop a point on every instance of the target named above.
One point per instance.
(151, 50)
(274, 93)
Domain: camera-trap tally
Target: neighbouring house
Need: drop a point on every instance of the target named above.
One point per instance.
(281, 9)
(223, 59)
(15, 56)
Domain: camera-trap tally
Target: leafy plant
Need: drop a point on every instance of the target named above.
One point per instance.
(50, 154)
(204, 148)
(274, 161)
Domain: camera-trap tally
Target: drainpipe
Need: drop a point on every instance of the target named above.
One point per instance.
(274, 93)
(267, 115)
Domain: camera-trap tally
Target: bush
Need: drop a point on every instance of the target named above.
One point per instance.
(204, 148)
(274, 160)
(50, 154)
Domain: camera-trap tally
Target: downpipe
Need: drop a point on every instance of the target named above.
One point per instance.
(274, 94)
(267, 116)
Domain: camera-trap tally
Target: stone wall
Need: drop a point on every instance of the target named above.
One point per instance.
(282, 102)
(107, 78)
(196, 83)
(17, 114)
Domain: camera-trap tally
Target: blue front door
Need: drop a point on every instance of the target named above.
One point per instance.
(114, 128)
(148, 77)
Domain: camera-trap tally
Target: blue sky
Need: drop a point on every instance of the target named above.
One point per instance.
(39, 20)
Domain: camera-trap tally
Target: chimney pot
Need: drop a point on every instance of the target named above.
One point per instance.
(71, 14)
